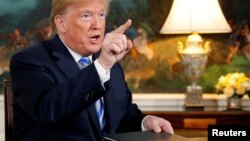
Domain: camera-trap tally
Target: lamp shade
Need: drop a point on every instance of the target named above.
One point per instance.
(202, 16)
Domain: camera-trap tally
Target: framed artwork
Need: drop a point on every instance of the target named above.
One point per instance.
(153, 65)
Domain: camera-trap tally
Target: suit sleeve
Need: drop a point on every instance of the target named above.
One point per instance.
(133, 116)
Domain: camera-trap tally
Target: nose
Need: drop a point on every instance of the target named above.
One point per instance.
(96, 24)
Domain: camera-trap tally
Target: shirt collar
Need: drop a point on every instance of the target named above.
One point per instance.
(74, 54)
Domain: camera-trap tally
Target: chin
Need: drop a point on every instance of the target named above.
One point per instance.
(94, 49)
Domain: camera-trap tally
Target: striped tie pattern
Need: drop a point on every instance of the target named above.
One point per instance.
(84, 62)
(99, 104)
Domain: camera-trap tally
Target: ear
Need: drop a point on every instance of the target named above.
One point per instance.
(59, 22)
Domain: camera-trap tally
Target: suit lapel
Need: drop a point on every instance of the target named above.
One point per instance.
(67, 64)
(94, 117)
(64, 60)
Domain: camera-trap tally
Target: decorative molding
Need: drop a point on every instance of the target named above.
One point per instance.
(2, 138)
(1, 101)
(175, 101)
(171, 101)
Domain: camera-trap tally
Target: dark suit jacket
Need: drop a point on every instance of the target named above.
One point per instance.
(54, 99)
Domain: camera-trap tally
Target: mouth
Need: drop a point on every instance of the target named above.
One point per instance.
(95, 38)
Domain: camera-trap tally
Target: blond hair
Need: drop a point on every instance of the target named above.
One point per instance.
(59, 7)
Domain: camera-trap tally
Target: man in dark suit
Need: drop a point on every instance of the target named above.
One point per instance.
(55, 99)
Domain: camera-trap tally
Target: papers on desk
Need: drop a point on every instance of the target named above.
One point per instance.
(144, 136)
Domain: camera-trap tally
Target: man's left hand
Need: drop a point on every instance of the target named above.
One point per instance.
(157, 124)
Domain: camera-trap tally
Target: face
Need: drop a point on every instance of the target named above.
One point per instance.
(82, 26)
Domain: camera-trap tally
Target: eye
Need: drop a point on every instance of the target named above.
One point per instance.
(102, 15)
(86, 16)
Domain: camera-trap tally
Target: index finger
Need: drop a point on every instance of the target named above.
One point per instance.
(124, 27)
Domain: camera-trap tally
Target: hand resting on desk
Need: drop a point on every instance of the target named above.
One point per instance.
(157, 124)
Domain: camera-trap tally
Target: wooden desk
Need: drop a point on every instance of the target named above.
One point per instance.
(201, 119)
(191, 133)
(150, 136)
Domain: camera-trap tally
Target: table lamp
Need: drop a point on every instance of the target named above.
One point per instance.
(194, 17)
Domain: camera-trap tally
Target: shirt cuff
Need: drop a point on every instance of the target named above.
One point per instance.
(142, 123)
(103, 74)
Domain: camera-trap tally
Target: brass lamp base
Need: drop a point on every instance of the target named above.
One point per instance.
(194, 98)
